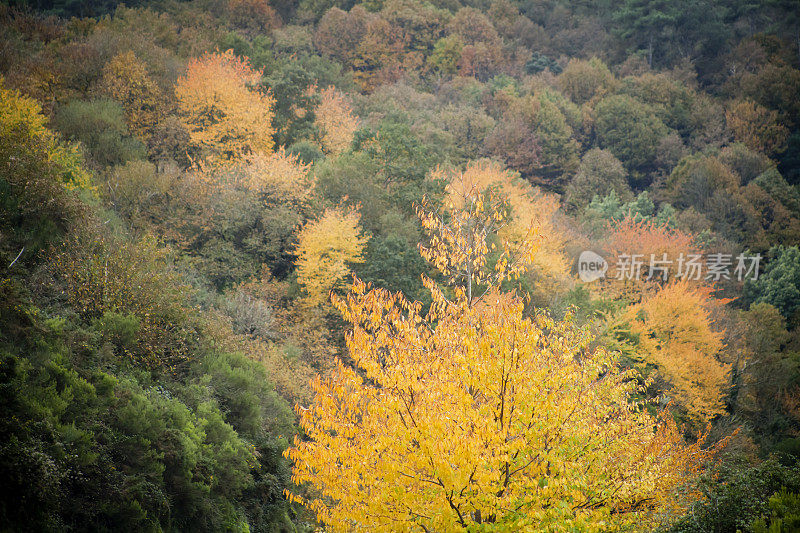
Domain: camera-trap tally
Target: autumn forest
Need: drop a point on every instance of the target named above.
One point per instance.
(400, 265)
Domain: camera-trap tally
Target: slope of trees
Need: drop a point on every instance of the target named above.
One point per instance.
(186, 187)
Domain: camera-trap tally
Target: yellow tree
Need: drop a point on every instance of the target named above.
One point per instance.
(497, 216)
(125, 79)
(225, 115)
(647, 254)
(325, 250)
(674, 331)
(473, 416)
(336, 122)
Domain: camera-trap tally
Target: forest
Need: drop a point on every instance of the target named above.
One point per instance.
(400, 265)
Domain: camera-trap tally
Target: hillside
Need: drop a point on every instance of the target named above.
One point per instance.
(400, 265)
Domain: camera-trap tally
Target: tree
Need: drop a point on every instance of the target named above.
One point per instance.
(279, 175)
(736, 496)
(695, 179)
(598, 174)
(474, 416)
(674, 331)
(514, 142)
(646, 23)
(481, 53)
(779, 284)
(672, 101)
(253, 16)
(38, 179)
(629, 129)
(774, 86)
(746, 163)
(584, 80)
(558, 148)
(765, 373)
(225, 116)
(325, 249)
(104, 274)
(382, 56)
(339, 33)
(446, 53)
(486, 211)
(757, 127)
(336, 122)
(99, 125)
(473, 27)
(637, 239)
(420, 21)
(126, 80)
(666, 31)
(490, 208)
(170, 141)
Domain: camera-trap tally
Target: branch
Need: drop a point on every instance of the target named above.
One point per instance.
(15, 259)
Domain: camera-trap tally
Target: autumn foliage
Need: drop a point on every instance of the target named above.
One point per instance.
(126, 79)
(520, 234)
(336, 121)
(227, 117)
(647, 242)
(473, 415)
(757, 127)
(675, 332)
(478, 417)
(326, 249)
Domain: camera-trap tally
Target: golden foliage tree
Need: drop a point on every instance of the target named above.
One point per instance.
(225, 115)
(382, 56)
(674, 329)
(278, 175)
(325, 250)
(503, 218)
(336, 122)
(125, 79)
(473, 416)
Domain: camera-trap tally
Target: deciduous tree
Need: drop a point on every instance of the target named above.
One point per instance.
(474, 416)
(629, 129)
(226, 117)
(584, 80)
(126, 80)
(336, 121)
(674, 329)
(325, 250)
(598, 174)
(757, 127)
(486, 212)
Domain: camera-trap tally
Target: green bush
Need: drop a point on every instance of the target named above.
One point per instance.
(99, 125)
(736, 497)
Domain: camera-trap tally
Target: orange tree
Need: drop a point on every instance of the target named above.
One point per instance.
(474, 416)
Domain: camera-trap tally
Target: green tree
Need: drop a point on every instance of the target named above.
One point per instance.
(779, 284)
(37, 181)
(630, 130)
(598, 174)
